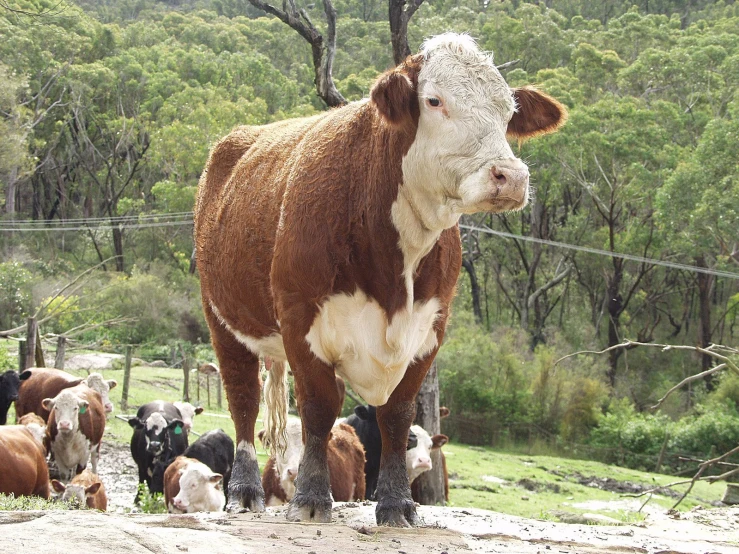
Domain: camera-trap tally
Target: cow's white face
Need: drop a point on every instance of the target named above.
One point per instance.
(200, 489)
(67, 407)
(461, 159)
(288, 462)
(188, 412)
(418, 458)
(97, 383)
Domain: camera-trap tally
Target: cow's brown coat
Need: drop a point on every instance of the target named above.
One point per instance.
(23, 468)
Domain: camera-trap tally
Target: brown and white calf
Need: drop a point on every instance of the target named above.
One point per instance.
(74, 430)
(190, 486)
(345, 462)
(39, 383)
(85, 489)
(332, 243)
(23, 468)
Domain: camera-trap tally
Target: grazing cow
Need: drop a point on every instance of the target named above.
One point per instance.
(85, 489)
(39, 383)
(190, 486)
(10, 382)
(216, 450)
(332, 243)
(23, 469)
(74, 430)
(188, 413)
(36, 425)
(345, 462)
(158, 438)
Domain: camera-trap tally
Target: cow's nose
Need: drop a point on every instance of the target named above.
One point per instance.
(154, 446)
(423, 462)
(109, 407)
(509, 177)
(64, 425)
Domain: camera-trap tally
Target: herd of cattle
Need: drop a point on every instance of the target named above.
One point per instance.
(62, 418)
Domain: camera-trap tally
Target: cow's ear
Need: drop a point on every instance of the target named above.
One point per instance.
(395, 96)
(25, 375)
(361, 412)
(177, 426)
(536, 114)
(92, 489)
(58, 486)
(437, 441)
(198, 410)
(135, 423)
(261, 435)
(112, 383)
(216, 478)
(48, 403)
(84, 404)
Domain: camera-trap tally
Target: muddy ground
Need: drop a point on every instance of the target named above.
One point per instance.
(450, 530)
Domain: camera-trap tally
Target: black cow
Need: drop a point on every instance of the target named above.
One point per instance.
(10, 382)
(216, 450)
(158, 438)
(365, 424)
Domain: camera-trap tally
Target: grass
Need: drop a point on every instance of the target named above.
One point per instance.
(9, 503)
(530, 486)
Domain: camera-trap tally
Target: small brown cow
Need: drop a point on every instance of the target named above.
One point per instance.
(332, 243)
(23, 469)
(345, 462)
(85, 489)
(39, 383)
(74, 430)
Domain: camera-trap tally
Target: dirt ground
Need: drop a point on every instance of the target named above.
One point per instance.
(449, 530)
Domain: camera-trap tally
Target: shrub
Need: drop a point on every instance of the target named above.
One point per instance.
(151, 503)
(15, 294)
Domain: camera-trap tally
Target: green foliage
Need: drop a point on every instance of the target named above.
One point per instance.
(10, 503)
(151, 503)
(15, 294)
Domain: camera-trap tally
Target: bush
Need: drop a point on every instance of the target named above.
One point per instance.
(151, 503)
(15, 294)
(712, 431)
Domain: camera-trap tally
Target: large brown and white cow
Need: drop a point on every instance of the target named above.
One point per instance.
(23, 468)
(331, 242)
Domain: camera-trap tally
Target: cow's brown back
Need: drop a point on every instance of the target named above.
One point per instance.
(24, 471)
(346, 464)
(43, 383)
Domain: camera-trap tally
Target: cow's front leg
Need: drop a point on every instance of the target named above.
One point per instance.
(240, 375)
(318, 402)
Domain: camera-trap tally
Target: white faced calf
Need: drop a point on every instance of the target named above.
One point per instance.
(418, 458)
(188, 412)
(190, 486)
(102, 386)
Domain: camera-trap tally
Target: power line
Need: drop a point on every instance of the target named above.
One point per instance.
(132, 225)
(631, 257)
(35, 224)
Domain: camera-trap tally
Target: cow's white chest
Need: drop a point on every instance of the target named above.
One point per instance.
(352, 332)
(71, 450)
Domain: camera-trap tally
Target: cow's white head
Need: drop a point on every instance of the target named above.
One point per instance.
(67, 407)
(102, 386)
(462, 111)
(188, 412)
(287, 463)
(200, 489)
(418, 458)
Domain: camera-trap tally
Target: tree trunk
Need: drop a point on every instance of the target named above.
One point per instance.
(118, 247)
(474, 289)
(31, 343)
(705, 283)
(615, 307)
(431, 483)
(399, 14)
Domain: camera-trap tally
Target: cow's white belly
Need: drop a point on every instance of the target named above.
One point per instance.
(352, 333)
(71, 450)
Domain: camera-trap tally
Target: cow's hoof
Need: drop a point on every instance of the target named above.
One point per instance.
(245, 497)
(397, 514)
(310, 510)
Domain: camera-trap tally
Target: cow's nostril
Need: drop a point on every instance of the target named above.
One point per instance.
(497, 176)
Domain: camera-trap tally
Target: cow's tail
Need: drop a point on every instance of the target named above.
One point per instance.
(276, 397)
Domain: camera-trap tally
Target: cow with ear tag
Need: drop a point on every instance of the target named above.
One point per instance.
(74, 430)
(158, 438)
(332, 243)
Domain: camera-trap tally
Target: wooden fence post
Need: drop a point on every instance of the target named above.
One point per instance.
(126, 379)
(207, 387)
(22, 348)
(61, 344)
(218, 392)
(39, 352)
(186, 376)
(31, 332)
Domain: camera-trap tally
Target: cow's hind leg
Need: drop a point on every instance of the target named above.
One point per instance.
(319, 405)
(240, 375)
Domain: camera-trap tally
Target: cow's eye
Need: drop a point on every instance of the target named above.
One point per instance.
(434, 102)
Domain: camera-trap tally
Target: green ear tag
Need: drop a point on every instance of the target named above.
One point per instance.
(178, 430)
(83, 409)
